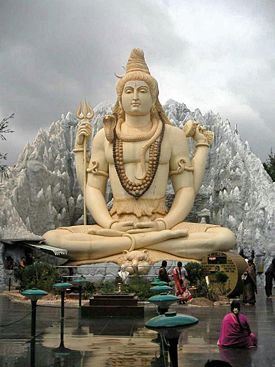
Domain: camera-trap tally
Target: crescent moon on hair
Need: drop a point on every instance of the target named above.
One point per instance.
(118, 76)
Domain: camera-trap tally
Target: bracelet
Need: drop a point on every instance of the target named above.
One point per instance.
(202, 145)
(76, 150)
(162, 221)
(112, 222)
(132, 239)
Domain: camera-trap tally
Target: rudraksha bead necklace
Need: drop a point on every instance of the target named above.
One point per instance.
(132, 188)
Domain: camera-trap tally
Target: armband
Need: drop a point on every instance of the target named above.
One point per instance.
(94, 169)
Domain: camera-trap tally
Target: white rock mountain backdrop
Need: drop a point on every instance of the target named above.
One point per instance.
(42, 191)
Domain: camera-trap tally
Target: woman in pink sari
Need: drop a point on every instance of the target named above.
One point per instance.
(235, 331)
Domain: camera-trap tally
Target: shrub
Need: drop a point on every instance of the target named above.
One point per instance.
(221, 277)
(196, 276)
(140, 286)
(195, 272)
(137, 284)
(107, 287)
(39, 275)
(88, 290)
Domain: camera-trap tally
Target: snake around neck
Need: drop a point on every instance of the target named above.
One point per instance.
(137, 189)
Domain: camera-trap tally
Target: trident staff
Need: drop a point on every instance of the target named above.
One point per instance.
(85, 114)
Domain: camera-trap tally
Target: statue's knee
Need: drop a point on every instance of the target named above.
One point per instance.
(226, 239)
(53, 236)
(223, 238)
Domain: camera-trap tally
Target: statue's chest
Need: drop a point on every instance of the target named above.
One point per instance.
(132, 152)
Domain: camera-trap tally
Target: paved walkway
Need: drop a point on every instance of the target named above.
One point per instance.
(124, 342)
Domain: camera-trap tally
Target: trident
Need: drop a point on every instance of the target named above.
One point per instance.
(84, 113)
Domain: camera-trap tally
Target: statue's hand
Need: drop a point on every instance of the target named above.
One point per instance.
(83, 129)
(202, 135)
(122, 226)
(197, 132)
(147, 227)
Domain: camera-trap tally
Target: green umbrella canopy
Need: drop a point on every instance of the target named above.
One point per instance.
(79, 281)
(163, 300)
(161, 288)
(34, 294)
(62, 286)
(158, 282)
(171, 320)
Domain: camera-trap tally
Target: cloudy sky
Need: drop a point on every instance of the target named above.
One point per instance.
(211, 55)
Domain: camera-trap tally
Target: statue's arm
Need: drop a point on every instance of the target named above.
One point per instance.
(181, 207)
(202, 139)
(96, 183)
(181, 174)
(199, 159)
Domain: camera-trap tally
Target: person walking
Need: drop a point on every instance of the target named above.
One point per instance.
(249, 283)
(179, 277)
(163, 275)
(269, 276)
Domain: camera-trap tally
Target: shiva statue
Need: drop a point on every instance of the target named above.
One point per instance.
(138, 150)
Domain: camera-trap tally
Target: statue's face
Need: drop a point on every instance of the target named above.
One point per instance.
(136, 98)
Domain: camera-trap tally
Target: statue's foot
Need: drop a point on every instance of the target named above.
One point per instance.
(105, 232)
(179, 233)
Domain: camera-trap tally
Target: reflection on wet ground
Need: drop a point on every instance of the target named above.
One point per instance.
(126, 342)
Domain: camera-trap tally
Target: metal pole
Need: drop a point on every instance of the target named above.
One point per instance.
(80, 295)
(62, 319)
(173, 351)
(33, 332)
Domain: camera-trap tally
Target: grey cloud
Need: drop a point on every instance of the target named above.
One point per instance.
(54, 53)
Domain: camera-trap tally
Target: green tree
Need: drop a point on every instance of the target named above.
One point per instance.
(269, 165)
(4, 129)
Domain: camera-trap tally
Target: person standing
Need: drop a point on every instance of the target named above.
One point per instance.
(163, 275)
(235, 329)
(179, 276)
(269, 276)
(249, 283)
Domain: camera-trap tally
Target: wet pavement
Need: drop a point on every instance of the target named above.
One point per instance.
(126, 342)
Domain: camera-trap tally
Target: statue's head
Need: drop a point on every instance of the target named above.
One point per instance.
(137, 69)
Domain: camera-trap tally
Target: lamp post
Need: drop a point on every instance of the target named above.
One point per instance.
(34, 295)
(170, 326)
(62, 288)
(163, 301)
(161, 289)
(158, 282)
(80, 283)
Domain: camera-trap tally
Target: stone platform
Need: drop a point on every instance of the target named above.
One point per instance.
(113, 305)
